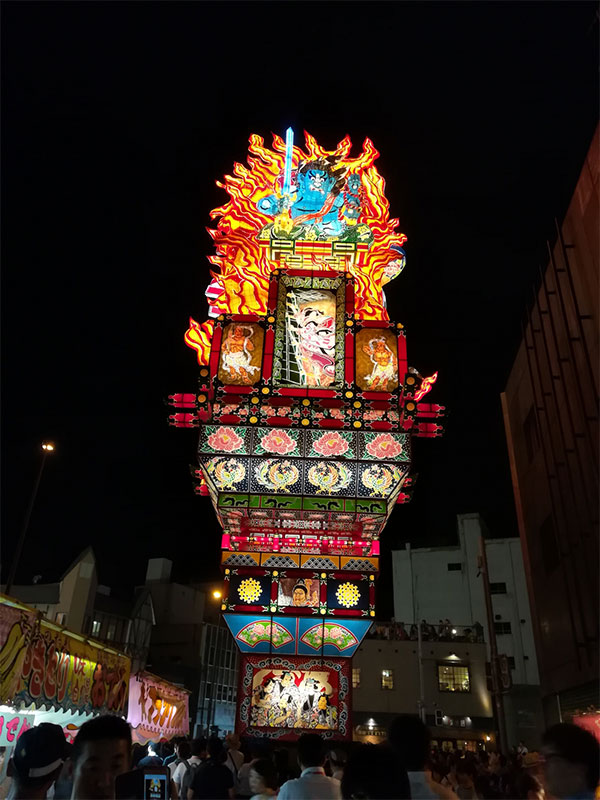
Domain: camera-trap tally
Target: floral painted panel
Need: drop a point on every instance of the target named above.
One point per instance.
(384, 446)
(329, 633)
(225, 439)
(277, 441)
(331, 444)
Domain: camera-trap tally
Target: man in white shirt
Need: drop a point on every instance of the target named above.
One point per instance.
(185, 771)
(312, 784)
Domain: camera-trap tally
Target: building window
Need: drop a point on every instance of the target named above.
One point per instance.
(61, 618)
(497, 588)
(454, 566)
(549, 545)
(112, 629)
(96, 625)
(453, 679)
(355, 677)
(531, 433)
(502, 628)
(387, 678)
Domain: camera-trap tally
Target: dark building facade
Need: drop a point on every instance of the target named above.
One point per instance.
(550, 408)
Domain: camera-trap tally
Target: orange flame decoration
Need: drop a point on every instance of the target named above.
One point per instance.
(244, 267)
(426, 386)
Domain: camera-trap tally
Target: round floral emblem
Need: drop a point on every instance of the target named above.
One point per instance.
(279, 442)
(225, 439)
(384, 446)
(249, 590)
(348, 595)
(330, 444)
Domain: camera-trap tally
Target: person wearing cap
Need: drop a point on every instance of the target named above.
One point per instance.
(38, 758)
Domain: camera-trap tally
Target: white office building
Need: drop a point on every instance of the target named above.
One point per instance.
(439, 583)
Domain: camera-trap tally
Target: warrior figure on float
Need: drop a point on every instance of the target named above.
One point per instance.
(384, 364)
(237, 353)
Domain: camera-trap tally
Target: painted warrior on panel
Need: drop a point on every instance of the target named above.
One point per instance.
(384, 364)
(237, 353)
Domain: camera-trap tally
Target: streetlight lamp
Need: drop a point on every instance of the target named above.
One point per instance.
(47, 447)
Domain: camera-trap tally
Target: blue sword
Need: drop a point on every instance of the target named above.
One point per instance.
(287, 173)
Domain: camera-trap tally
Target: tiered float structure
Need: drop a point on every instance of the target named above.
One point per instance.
(306, 408)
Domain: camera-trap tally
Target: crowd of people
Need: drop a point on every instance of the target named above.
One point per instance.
(102, 764)
(444, 631)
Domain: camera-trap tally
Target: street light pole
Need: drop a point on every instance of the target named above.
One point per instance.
(47, 447)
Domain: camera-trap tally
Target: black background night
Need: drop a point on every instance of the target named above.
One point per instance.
(117, 120)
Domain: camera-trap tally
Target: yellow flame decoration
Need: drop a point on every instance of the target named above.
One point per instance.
(242, 266)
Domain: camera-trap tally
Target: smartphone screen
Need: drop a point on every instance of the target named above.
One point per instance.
(156, 786)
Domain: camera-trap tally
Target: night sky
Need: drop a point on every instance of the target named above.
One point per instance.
(118, 118)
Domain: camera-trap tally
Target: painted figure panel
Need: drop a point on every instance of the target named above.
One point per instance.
(300, 592)
(376, 360)
(294, 699)
(241, 354)
(310, 329)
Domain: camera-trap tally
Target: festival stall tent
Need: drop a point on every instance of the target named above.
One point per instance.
(50, 674)
(306, 409)
(158, 710)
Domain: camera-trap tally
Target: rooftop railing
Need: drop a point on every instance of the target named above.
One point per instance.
(442, 632)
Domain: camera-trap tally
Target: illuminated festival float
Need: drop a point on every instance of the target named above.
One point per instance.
(306, 408)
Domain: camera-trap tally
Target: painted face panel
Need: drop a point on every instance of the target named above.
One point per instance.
(310, 337)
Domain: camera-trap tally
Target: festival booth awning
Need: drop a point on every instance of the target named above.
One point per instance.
(51, 674)
(158, 710)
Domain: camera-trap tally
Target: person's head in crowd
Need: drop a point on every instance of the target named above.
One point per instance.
(198, 747)
(37, 760)
(311, 752)
(409, 737)
(101, 752)
(571, 761)
(436, 770)
(233, 741)
(374, 772)
(184, 750)
(528, 787)
(466, 773)
(337, 762)
(282, 758)
(215, 749)
(138, 751)
(263, 777)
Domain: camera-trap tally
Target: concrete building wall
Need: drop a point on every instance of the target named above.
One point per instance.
(551, 421)
(444, 582)
(376, 706)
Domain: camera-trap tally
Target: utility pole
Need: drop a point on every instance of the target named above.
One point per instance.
(422, 713)
(47, 447)
(482, 563)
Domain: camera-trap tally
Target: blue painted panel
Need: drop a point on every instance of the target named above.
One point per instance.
(331, 637)
(253, 634)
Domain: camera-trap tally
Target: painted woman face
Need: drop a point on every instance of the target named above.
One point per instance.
(299, 596)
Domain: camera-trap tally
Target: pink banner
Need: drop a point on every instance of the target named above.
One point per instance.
(157, 709)
(591, 723)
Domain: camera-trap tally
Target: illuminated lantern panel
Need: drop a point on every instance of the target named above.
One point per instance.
(306, 409)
